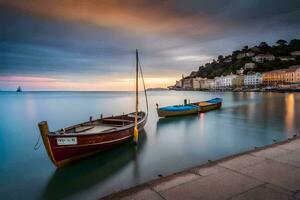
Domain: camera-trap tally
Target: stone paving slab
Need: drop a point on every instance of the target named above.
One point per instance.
(208, 170)
(264, 193)
(268, 173)
(216, 186)
(175, 181)
(145, 194)
(241, 162)
(271, 152)
(292, 158)
(276, 173)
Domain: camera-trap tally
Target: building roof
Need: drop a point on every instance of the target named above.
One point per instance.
(293, 68)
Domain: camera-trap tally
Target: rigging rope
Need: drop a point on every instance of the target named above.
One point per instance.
(145, 91)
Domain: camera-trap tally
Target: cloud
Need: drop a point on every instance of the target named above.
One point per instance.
(80, 41)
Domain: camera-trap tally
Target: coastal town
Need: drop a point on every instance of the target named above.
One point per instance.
(249, 70)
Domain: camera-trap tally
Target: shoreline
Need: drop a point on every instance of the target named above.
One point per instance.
(151, 189)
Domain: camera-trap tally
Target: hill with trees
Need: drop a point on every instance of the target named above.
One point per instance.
(225, 65)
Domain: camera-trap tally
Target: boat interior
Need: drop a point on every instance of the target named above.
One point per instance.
(101, 125)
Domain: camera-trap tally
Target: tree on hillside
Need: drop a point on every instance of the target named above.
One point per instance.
(281, 42)
(263, 44)
(245, 48)
(220, 58)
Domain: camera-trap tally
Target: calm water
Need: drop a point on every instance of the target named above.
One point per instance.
(168, 145)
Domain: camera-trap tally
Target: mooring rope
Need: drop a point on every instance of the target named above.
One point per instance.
(37, 144)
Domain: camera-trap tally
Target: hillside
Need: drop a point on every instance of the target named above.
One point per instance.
(225, 65)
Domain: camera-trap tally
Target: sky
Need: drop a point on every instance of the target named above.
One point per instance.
(89, 45)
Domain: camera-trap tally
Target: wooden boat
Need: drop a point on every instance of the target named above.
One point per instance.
(177, 110)
(80, 140)
(209, 105)
(189, 109)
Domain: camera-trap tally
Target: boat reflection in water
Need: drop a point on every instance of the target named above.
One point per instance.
(84, 174)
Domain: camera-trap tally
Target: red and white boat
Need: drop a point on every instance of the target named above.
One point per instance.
(81, 140)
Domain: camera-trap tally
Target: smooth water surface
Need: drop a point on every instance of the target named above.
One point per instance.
(167, 146)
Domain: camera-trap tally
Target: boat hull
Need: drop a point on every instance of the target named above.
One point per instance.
(165, 113)
(84, 145)
(204, 109)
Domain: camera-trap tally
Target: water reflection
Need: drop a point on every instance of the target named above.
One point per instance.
(81, 175)
(290, 112)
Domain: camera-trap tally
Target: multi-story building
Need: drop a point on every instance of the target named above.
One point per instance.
(187, 83)
(253, 79)
(274, 77)
(225, 81)
(292, 75)
(207, 84)
(261, 58)
(238, 81)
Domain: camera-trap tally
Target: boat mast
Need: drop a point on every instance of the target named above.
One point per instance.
(136, 132)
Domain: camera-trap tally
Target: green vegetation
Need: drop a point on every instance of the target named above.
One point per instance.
(229, 64)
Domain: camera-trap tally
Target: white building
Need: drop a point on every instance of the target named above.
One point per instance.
(261, 58)
(287, 58)
(250, 65)
(228, 59)
(243, 55)
(253, 79)
(240, 71)
(295, 53)
(225, 81)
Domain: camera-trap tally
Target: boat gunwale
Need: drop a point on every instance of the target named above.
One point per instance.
(109, 131)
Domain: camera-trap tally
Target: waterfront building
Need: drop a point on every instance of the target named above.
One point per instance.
(253, 79)
(178, 84)
(292, 75)
(187, 83)
(225, 81)
(261, 58)
(273, 78)
(295, 53)
(207, 84)
(250, 65)
(238, 81)
(287, 58)
(196, 83)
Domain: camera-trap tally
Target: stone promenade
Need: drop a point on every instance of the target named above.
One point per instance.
(269, 174)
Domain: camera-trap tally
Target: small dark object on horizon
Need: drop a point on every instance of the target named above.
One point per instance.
(160, 175)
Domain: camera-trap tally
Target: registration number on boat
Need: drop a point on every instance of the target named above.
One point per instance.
(66, 141)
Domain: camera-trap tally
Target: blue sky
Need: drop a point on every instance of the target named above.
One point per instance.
(89, 45)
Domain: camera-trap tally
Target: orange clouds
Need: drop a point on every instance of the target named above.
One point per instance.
(104, 84)
(134, 16)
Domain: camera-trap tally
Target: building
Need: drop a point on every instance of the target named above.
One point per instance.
(250, 54)
(261, 58)
(273, 78)
(295, 53)
(250, 65)
(207, 84)
(178, 84)
(253, 79)
(238, 81)
(240, 71)
(225, 81)
(292, 75)
(228, 59)
(196, 83)
(243, 55)
(187, 83)
(286, 58)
